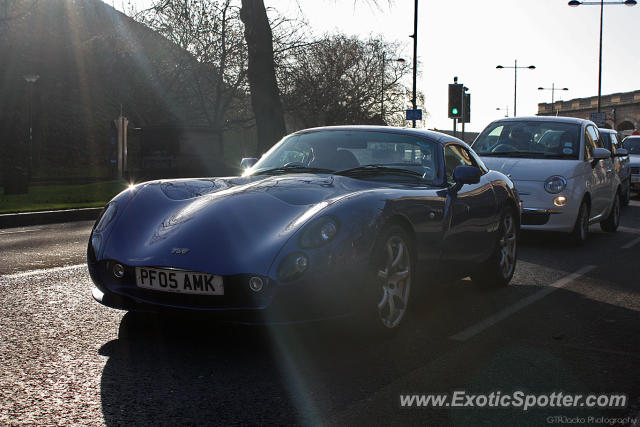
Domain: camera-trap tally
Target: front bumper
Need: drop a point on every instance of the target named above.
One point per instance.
(312, 297)
(539, 211)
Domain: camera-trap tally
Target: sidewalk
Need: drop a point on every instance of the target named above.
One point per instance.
(48, 217)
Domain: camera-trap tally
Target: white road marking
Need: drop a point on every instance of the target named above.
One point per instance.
(631, 243)
(514, 308)
(43, 271)
(20, 231)
(629, 230)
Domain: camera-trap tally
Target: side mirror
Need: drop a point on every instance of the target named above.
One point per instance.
(601, 154)
(621, 152)
(466, 175)
(248, 162)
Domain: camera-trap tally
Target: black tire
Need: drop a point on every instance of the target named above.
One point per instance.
(498, 269)
(626, 197)
(580, 231)
(391, 273)
(611, 223)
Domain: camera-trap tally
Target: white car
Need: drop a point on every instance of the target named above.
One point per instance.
(564, 175)
(632, 145)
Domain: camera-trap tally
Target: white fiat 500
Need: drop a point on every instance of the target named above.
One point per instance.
(564, 175)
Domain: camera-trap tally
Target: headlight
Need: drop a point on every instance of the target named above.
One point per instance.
(292, 266)
(319, 232)
(555, 184)
(107, 216)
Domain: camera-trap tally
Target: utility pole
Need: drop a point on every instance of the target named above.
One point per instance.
(415, 56)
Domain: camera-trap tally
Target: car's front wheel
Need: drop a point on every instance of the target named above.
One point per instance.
(499, 268)
(627, 194)
(581, 228)
(393, 273)
(610, 224)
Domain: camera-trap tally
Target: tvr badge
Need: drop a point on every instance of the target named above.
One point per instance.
(179, 251)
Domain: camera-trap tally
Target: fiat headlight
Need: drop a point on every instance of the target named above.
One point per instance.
(319, 232)
(555, 184)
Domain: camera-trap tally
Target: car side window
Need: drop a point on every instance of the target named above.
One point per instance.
(590, 138)
(456, 155)
(595, 135)
(614, 141)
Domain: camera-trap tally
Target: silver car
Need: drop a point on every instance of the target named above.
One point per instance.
(564, 175)
(620, 158)
(632, 145)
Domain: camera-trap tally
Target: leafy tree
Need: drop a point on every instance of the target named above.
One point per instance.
(342, 80)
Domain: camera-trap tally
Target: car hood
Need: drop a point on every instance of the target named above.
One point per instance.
(634, 159)
(532, 169)
(222, 226)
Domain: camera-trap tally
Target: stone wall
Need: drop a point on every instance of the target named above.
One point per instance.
(622, 109)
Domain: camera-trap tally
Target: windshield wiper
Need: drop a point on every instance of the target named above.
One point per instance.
(378, 170)
(514, 154)
(292, 169)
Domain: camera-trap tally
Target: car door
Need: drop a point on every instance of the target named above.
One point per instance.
(622, 163)
(470, 217)
(602, 172)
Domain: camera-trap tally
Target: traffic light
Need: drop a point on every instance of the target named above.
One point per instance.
(466, 111)
(455, 101)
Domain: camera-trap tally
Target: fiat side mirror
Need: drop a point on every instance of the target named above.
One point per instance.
(599, 154)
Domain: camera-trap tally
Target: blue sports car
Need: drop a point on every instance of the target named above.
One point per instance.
(330, 221)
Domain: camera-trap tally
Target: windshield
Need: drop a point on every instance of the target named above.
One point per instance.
(632, 145)
(332, 151)
(535, 139)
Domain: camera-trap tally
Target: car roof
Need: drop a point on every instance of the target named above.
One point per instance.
(558, 119)
(430, 134)
(607, 130)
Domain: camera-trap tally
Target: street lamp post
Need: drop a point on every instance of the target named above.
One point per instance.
(515, 81)
(382, 69)
(553, 90)
(576, 3)
(31, 79)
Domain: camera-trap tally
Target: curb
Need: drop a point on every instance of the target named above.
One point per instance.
(48, 217)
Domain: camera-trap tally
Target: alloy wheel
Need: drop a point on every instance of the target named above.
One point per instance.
(508, 242)
(394, 281)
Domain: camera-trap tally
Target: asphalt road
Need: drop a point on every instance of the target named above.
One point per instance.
(569, 322)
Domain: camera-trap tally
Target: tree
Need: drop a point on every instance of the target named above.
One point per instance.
(339, 80)
(265, 96)
(211, 64)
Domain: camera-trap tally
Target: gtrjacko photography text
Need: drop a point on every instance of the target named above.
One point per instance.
(516, 399)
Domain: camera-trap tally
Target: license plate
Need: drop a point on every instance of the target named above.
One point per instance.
(179, 281)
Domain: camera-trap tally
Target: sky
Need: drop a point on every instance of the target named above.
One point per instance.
(469, 38)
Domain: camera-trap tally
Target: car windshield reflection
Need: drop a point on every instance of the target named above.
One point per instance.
(352, 153)
(530, 139)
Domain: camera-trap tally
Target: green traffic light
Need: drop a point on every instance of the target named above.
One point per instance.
(454, 111)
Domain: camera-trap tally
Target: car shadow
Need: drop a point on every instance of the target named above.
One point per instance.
(194, 371)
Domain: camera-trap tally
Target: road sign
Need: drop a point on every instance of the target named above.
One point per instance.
(599, 119)
(414, 114)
